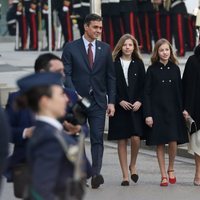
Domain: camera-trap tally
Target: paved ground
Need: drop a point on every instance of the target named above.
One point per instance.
(147, 187)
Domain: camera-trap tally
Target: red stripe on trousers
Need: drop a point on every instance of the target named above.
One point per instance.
(111, 34)
(34, 34)
(131, 19)
(24, 32)
(158, 29)
(69, 28)
(140, 33)
(147, 32)
(180, 34)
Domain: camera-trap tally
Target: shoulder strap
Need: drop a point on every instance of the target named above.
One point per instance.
(74, 153)
(70, 151)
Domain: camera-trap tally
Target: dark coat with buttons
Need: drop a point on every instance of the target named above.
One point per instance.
(163, 102)
(191, 87)
(125, 123)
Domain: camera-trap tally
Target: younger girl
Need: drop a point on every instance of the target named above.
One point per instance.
(127, 121)
(163, 107)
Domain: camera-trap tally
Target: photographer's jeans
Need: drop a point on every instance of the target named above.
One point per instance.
(96, 119)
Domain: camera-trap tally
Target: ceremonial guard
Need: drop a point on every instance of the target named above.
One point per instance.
(130, 20)
(112, 25)
(22, 23)
(162, 28)
(107, 23)
(190, 32)
(81, 8)
(146, 16)
(33, 11)
(63, 8)
(178, 12)
(44, 4)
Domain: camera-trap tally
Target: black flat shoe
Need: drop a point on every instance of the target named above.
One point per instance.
(134, 177)
(96, 181)
(125, 183)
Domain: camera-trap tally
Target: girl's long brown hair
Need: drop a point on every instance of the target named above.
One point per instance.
(117, 52)
(155, 57)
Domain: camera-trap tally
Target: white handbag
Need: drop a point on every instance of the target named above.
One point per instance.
(194, 138)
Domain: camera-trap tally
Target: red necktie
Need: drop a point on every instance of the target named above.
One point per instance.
(90, 54)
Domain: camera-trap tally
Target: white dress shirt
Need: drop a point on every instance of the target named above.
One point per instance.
(125, 65)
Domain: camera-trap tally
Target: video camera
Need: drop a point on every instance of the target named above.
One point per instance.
(76, 113)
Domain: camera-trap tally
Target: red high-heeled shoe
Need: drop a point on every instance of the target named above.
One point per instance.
(171, 180)
(164, 181)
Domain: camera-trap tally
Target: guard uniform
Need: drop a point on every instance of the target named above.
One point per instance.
(190, 32)
(80, 9)
(178, 12)
(129, 17)
(44, 4)
(33, 20)
(162, 25)
(112, 24)
(147, 21)
(64, 12)
(22, 23)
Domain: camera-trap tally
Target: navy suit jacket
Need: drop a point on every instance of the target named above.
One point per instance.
(46, 158)
(18, 120)
(80, 77)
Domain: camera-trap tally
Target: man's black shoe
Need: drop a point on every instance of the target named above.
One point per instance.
(96, 181)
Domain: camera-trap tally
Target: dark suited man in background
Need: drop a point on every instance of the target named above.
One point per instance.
(4, 133)
(89, 70)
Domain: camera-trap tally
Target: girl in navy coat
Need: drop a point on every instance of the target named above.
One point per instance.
(163, 107)
(127, 121)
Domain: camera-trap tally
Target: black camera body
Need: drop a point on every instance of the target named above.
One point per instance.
(76, 113)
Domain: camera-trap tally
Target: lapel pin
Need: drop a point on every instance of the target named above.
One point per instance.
(99, 48)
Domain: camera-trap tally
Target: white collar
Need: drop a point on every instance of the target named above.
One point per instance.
(50, 121)
(86, 42)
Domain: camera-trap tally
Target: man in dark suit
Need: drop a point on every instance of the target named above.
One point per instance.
(89, 70)
(4, 134)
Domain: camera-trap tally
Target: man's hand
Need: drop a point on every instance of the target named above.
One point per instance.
(110, 110)
(72, 129)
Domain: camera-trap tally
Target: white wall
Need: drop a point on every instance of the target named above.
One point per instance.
(191, 5)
